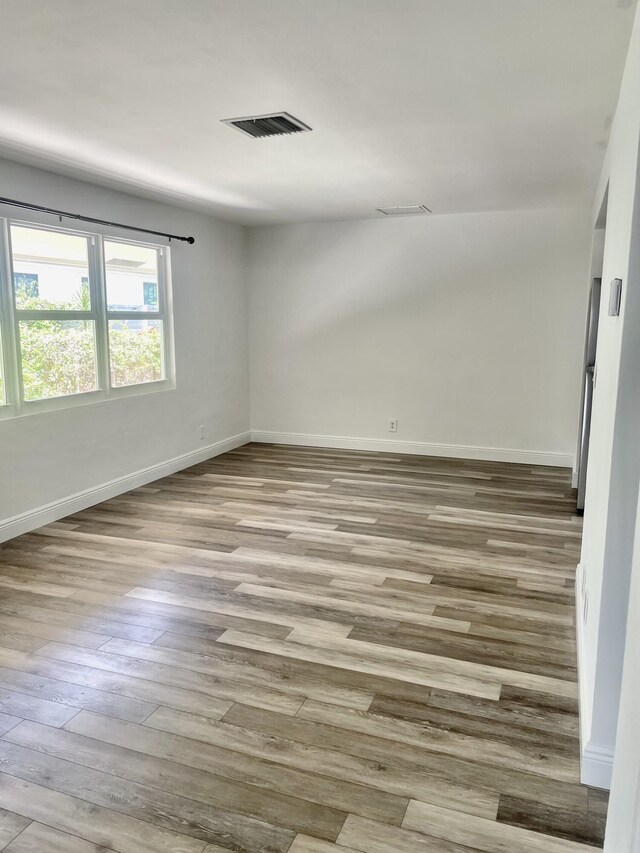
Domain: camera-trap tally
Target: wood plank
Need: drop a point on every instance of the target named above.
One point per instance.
(231, 742)
(234, 753)
(370, 836)
(42, 631)
(351, 796)
(562, 822)
(435, 767)
(170, 811)
(104, 681)
(422, 661)
(519, 756)
(223, 609)
(202, 787)
(136, 620)
(11, 825)
(102, 826)
(31, 708)
(225, 691)
(74, 696)
(7, 721)
(308, 844)
(38, 838)
(252, 673)
(485, 835)
(353, 661)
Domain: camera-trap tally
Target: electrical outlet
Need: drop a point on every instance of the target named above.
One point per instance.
(203, 432)
(393, 425)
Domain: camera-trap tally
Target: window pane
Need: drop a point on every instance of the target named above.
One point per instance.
(136, 351)
(50, 270)
(58, 357)
(132, 277)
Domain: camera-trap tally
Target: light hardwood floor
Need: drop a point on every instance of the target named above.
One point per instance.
(298, 649)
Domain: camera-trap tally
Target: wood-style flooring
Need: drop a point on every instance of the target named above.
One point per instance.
(303, 650)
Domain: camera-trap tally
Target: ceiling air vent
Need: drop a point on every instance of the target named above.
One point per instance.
(274, 124)
(404, 210)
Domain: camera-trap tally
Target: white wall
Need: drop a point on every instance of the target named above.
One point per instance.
(614, 458)
(49, 456)
(467, 328)
(623, 824)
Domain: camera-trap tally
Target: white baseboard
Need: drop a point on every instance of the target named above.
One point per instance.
(420, 448)
(596, 760)
(35, 518)
(596, 766)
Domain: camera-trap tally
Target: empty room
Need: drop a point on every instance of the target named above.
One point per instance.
(319, 419)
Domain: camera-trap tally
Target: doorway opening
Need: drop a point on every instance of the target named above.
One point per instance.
(589, 370)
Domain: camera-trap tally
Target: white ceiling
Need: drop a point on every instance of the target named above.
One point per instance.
(462, 105)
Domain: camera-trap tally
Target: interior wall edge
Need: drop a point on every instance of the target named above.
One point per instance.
(418, 448)
(54, 511)
(596, 759)
(582, 661)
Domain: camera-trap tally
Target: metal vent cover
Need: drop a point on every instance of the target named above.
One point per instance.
(404, 210)
(272, 124)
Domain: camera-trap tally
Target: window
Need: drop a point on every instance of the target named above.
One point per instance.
(55, 321)
(135, 342)
(82, 318)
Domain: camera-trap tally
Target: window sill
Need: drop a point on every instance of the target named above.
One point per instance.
(89, 398)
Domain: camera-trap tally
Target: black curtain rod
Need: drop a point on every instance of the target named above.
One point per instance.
(63, 213)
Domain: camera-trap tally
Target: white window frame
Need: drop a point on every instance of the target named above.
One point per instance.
(15, 405)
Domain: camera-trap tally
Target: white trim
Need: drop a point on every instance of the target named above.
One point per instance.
(420, 448)
(40, 516)
(574, 478)
(596, 760)
(582, 680)
(596, 766)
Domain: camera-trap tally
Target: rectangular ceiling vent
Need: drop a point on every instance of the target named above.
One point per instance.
(404, 210)
(273, 124)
